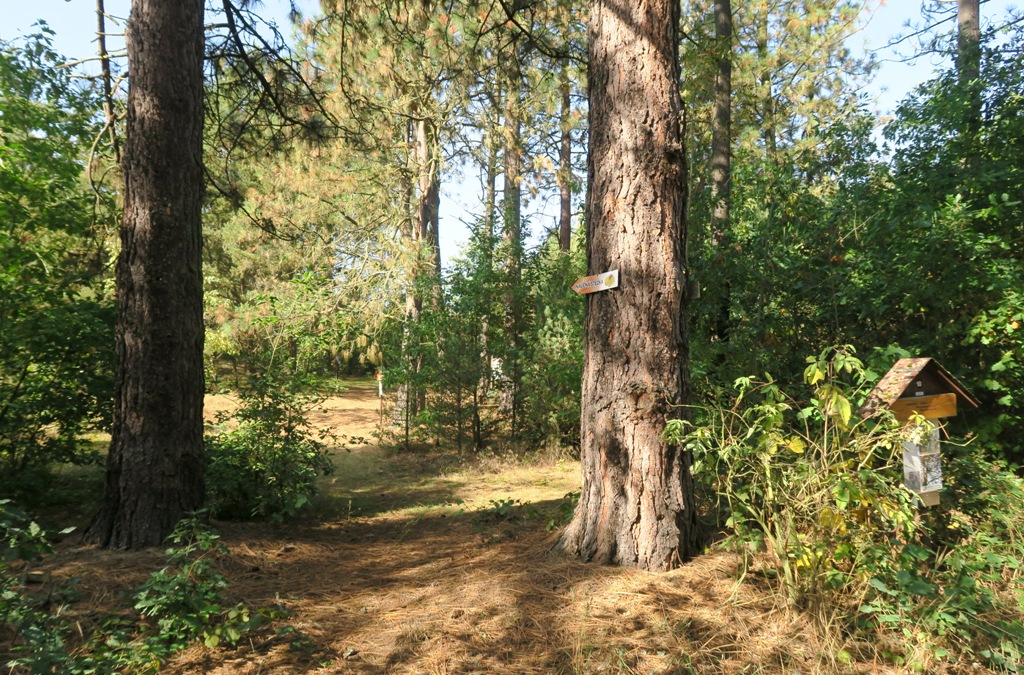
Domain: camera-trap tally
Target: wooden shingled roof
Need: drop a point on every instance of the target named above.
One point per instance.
(897, 383)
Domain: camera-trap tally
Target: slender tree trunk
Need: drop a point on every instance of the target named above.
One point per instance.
(108, 84)
(968, 63)
(767, 95)
(425, 254)
(512, 237)
(405, 397)
(428, 195)
(564, 175)
(636, 507)
(490, 193)
(155, 464)
(490, 209)
(512, 206)
(968, 17)
(721, 156)
(512, 194)
(428, 254)
(721, 124)
(486, 244)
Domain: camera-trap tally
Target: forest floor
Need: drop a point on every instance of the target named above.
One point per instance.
(416, 562)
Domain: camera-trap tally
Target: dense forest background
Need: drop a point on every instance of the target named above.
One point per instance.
(324, 169)
(815, 233)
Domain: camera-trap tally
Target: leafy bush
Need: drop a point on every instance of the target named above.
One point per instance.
(492, 356)
(264, 460)
(183, 599)
(564, 510)
(179, 604)
(22, 542)
(39, 644)
(56, 307)
(820, 491)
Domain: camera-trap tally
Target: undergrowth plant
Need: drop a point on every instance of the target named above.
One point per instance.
(56, 302)
(820, 491)
(183, 600)
(23, 542)
(564, 510)
(38, 630)
(263, 461)
(178, 606)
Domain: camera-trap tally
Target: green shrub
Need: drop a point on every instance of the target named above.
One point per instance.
(183, 600)
(264, 460)
(564, 510)
(22, 542)
(821, 492)
(179, 605)
(553, 366)
(37, 626)
(56, 302)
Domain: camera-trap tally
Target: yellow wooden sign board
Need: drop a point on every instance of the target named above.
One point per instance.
(929, 407)
(597, 282)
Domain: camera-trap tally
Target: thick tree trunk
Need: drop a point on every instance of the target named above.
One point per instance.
(155, 465)
(636, 507)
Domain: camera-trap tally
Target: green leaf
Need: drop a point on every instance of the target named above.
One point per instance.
(919, 587)
(842, 493)
(813, 374)
(879, 585)
(845, 411)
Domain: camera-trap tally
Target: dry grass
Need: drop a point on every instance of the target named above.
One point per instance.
(402, 573)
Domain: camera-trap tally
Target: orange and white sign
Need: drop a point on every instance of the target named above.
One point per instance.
(597, 282)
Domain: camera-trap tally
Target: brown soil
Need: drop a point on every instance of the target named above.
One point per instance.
(397, 575)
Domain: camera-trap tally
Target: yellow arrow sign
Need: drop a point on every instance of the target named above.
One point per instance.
(597, 282)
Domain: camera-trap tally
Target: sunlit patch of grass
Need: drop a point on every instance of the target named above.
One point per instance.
(370, 481)
(527, 481)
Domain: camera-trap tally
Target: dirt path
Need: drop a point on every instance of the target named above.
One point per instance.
(356, 412)
(419, 563)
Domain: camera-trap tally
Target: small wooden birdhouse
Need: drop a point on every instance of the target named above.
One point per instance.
(920, 387)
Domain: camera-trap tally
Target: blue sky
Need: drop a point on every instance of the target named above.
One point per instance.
(75, 20)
